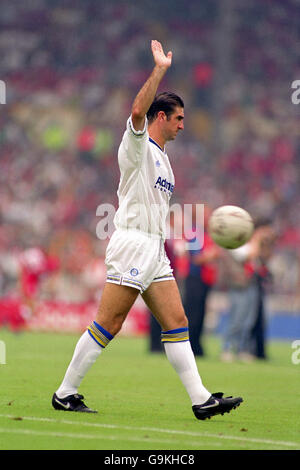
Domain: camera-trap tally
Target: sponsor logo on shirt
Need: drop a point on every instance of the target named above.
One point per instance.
(164, 185)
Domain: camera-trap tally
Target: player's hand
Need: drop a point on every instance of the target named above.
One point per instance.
(160, 59)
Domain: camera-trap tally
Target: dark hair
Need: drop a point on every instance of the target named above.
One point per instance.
(165, 102)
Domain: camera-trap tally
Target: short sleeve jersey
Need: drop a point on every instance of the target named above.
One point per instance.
(146, 183)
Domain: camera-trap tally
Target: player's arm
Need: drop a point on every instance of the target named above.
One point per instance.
(147, 93)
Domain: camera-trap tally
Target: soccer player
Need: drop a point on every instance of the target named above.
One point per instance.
(135, 257)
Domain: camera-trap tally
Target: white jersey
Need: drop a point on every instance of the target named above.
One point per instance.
(146, 183)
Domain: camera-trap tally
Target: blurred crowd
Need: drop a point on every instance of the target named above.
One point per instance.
(72, 69)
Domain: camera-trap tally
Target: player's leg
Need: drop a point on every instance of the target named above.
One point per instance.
(250, 313)
(115, 304)
(116, 301)
(164, 301)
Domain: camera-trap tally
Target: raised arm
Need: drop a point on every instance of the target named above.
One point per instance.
(147, 93)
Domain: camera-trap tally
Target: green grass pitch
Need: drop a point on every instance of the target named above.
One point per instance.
(141, 403)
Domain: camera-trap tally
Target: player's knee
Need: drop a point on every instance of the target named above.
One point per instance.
(111, 323)
(183, 321)
(180, 321)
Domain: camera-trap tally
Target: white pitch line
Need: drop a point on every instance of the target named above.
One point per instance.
(103, 437)
(164, 431)
(31, 432)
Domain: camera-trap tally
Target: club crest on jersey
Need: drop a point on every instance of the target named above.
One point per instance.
(134, 272)
(164, 185)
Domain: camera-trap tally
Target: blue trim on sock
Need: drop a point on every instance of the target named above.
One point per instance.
(106, 333)
(178, 330)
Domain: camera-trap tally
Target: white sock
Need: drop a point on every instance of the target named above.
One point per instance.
(85, 354)
(182, 358)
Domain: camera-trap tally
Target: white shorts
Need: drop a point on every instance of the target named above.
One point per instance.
(135, 259)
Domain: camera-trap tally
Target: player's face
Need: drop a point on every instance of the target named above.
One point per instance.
(174, 124)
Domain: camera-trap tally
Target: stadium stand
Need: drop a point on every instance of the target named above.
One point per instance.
(71, 70)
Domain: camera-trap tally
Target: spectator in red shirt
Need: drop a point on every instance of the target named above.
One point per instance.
(34, 265)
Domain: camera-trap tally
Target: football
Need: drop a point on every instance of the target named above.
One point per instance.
(230, 226)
